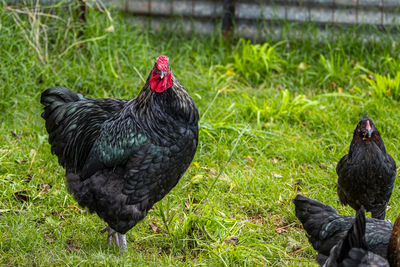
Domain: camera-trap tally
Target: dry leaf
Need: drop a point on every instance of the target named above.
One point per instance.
(44, 188)
(249, 158)
(73, 208)
(187, 205)
(154, 226)
(280, 230)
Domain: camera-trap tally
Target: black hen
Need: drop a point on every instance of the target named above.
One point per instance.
(325, 228)
(353, 250)
(122, 156)
(367, 173)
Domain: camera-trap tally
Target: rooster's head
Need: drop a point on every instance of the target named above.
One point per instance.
(161, 76)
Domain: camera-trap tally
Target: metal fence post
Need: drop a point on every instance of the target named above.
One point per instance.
(228, 19)
(81, 16)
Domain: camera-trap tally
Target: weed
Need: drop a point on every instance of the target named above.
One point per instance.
(254, 63)
(285, 107)
(385, 85)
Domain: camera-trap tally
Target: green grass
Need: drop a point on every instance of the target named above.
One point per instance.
(289, 105)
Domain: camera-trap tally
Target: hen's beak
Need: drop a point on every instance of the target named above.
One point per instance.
(162, 73)
(369, 132)
(369, 129)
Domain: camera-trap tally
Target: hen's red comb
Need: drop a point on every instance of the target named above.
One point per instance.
(162, 63)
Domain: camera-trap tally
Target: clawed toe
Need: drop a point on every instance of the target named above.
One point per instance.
(119, 239)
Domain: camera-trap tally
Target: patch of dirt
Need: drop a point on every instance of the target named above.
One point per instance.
(281, 225)
(58, 214)
(50, 238)
(28, 178)
(233, 240)
(22, 195)
(256, 219)
(72, 247)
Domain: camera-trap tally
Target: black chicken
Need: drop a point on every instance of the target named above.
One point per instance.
(367, 173)
(325, 228)
(353, 251)
(393, 254)
(122, 156)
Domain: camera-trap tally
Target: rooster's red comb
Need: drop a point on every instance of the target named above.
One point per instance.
(162, 63)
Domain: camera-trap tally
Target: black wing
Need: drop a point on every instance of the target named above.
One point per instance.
(120, 139)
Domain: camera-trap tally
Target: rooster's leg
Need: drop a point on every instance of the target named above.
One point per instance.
(122, 242)
(110, 235)
(117, 238)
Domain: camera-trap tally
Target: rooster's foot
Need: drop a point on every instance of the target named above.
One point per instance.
(119, 239)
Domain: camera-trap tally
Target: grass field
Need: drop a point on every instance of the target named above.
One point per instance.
(276, 117)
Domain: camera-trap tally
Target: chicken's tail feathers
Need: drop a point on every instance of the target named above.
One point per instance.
(355, 237)
(60, 114)
(54, 100)
(311, 213)
(58, 94)
(74, 123)
(317, 219)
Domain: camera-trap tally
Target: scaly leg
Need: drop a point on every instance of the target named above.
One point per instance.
(117, 238)
(122, 243)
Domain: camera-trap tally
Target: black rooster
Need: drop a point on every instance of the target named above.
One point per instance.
(325, 228)
(122, 156)
(353, 250)
(367, 173)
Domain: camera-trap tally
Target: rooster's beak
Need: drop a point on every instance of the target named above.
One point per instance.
(161, 74)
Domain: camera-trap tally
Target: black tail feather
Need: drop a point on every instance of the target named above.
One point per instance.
(355, 237)
(321, 222)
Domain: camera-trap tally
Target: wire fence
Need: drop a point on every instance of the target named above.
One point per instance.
(252, 18)
(258, 19)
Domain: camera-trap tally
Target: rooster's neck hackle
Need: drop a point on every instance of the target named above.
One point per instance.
(158, 112)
